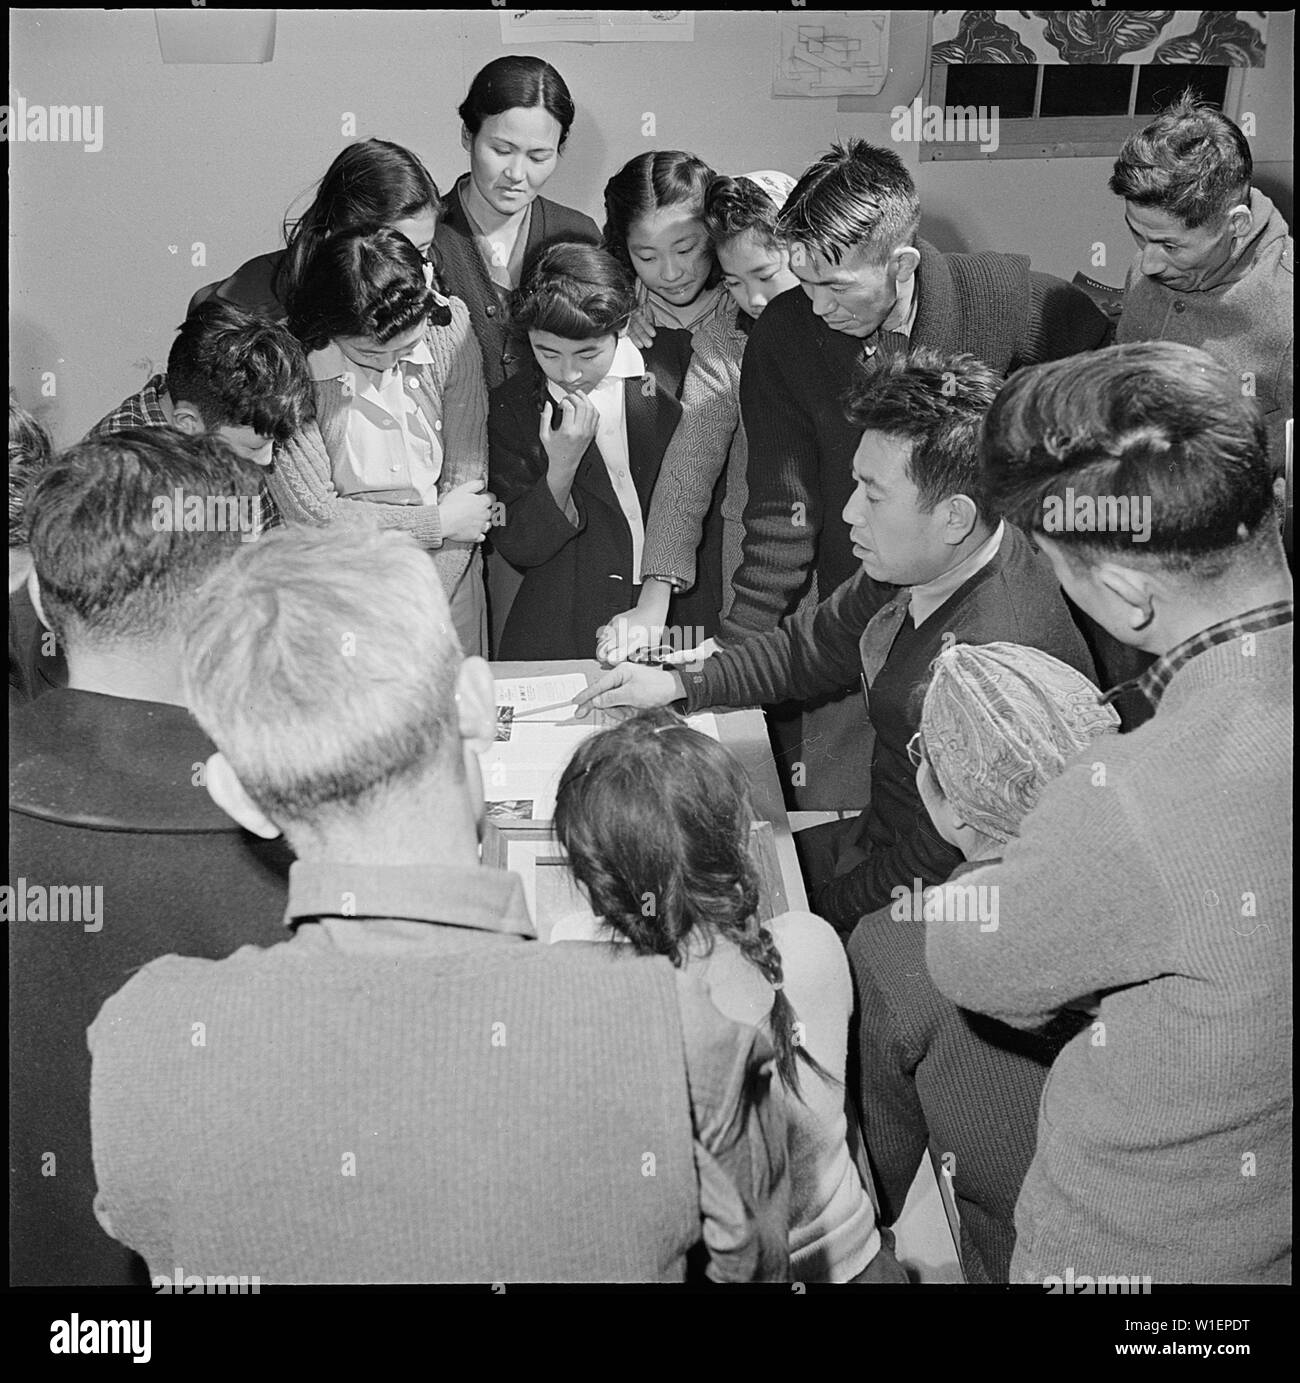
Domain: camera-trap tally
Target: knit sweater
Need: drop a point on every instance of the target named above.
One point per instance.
(933, 1075)
(478, 1109)
(1243, 315)
(1156, 874)
(1014, 598)
(453, 402)
(792, 384)
(464, 273)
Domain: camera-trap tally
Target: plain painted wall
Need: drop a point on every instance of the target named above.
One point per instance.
(217, 153)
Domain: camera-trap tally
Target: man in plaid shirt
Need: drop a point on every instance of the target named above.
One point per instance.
(230, 373)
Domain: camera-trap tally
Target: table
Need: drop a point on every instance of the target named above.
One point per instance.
(745, 734)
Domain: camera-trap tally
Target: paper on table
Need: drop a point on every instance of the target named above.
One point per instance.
(527, 692)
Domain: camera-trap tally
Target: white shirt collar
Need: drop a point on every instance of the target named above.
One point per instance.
(330, 363)
(928, 598)
(628, 363)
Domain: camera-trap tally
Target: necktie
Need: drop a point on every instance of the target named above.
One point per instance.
(879, 635)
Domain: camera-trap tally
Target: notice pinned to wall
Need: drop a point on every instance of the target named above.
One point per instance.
(831, 53)
(598, 26)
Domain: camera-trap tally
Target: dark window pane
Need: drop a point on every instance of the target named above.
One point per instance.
(1008, 86)
(1086, 89)
(1160, 86)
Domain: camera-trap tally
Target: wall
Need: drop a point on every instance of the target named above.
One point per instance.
(215, 154)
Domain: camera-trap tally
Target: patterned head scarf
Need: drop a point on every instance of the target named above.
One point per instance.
(777, 185)
(1000, 721)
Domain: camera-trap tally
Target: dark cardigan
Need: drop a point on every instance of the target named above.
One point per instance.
(466, 277)
(574, 579)
(1015, 598)
(795, 373)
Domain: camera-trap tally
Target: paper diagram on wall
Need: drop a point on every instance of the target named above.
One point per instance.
(831, 53)
(597, 26)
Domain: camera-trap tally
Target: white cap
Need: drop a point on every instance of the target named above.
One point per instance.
(776, 184)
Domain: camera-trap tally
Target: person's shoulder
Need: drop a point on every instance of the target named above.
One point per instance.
(812, 954)
(568, 223)
(173, 983)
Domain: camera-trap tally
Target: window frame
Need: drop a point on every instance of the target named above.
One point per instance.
(1055, 136)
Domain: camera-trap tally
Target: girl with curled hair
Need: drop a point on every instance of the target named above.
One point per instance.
(370, 183)
(401, 435)
(655, 817)
(575, 446)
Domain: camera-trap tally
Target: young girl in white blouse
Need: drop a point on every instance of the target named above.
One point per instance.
(401, 437)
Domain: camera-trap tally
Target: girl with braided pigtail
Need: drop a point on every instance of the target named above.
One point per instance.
(655, 818)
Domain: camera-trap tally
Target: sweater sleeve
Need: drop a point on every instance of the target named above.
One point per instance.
(692, 464)
(1079, 908)
(464, 405)
(920, 854)
(740, 1143)
(535, 528)
(303, 489)
(1063, 320)
(807, 655)
(782, 513)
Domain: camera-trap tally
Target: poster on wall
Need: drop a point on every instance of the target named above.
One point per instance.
(831, 53)
(598, 26)
(1212, 38)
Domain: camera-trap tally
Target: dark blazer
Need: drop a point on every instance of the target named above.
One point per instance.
(103, 793)
(575, 579)
(466, 277)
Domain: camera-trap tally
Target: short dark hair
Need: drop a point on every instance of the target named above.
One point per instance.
(30, 451)
(366, 281)
(517, 81)
(107, 570)
(937, 402)
(648, 183)
(735, 206)
(370, 183)
(1190, 161)
(856, 197)
(240, 370)
(573, 290)
(1148, 420)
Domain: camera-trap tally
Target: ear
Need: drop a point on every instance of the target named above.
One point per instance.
(34, 595)
(1133, 589)
(906, 261)
(466, 139)
(476, 705)
(228, 793)
(20, 567)
(1239, 219)
(961, 516)
(186, 418)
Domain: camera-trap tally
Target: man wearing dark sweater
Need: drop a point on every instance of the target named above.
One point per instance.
(938, 567)
(1152, 881)
(413, 1088)
(869, 291)
(117, 855)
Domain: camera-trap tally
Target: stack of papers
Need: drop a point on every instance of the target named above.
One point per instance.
(537, 734)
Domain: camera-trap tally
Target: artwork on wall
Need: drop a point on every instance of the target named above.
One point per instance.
(1210, 38)
(831, 53)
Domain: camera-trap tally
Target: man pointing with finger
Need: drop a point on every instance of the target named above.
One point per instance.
(939, 567)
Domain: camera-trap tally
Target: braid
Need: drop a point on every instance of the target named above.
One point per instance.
(759, 948)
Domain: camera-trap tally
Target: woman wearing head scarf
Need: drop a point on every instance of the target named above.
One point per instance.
(999, 722)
